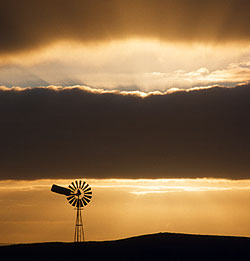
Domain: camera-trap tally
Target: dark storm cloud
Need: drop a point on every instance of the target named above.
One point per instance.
(65, 133)
(28, 24)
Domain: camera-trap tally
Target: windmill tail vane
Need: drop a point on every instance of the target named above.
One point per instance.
(78, 195)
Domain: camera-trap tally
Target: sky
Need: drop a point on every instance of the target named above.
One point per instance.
(125, 94)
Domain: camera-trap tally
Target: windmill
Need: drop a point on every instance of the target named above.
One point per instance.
(78, 195)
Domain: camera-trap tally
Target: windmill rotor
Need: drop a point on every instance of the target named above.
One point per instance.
(80, 195)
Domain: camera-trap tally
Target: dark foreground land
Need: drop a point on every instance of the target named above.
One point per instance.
(165, 246)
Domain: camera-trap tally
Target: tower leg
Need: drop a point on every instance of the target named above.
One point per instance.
(79, 234)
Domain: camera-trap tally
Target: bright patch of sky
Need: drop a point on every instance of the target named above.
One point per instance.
(129, 65)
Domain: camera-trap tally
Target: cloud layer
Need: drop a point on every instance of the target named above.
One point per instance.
(28, 24)
(76, 132)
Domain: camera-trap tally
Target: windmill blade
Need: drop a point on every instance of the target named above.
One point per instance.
(72, 200)
(81, 203)
(88, 189)
(83, 184)
(86, 199)
(87, 185)
(87, 196)
(84, 202)
(71, 188)
(70, 197)
(72, 183)
(76, 184)
(80, 184)
(88, 193)
(74, 203)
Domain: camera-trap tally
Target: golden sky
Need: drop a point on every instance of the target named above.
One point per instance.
(30, 212)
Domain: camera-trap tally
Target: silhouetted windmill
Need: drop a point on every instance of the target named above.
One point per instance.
(78, 194)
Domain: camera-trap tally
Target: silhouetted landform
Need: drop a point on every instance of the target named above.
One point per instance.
(167, 246)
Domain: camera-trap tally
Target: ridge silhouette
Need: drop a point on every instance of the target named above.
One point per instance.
(169, 246)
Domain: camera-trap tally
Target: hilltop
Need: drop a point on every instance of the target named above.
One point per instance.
(169, 246)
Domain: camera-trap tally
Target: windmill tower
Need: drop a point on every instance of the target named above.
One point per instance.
(78, 195)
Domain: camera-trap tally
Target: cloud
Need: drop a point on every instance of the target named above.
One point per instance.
(231, 75)
(69, 132)
(31, 24)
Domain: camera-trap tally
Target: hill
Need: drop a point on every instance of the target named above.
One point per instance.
(147, 247)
